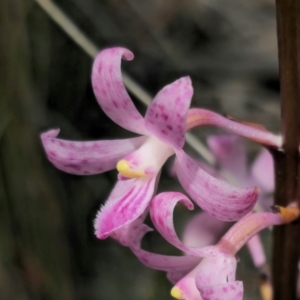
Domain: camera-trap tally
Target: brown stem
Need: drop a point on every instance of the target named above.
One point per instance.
(286, 238)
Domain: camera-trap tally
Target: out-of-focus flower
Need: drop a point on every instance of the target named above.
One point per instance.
(140, 159)
(230, 154)
(208, 272)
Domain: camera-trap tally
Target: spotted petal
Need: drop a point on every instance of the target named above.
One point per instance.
(219, 199)
(216, 278)
(86, 158)
(128, 200)
(161, 212)
(166, 115)
(216, 270)
(229, 291)
(211, 271)
(124, 234)
(110, 91)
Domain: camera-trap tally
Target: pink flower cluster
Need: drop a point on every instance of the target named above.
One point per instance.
(230, 193)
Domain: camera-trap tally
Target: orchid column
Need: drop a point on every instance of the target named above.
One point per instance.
(287, 238)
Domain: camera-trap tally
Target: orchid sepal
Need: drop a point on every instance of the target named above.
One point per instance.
(86, 158)
(200, 117)
(221, 200)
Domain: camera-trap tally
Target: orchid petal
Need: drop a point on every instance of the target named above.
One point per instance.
(203, 230)
(263, 171)
(161, 212)
(219, 199)
(207, 168)
(199, 117)
(175, 265)
(211, 271)
(110, 91)
(230, 153)
(128, 200)
(86, 158)
(256, 250)
(166, 115)
(124, 234)
(216, 270)
(229, 291)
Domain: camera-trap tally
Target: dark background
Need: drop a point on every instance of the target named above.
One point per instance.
(48, 250)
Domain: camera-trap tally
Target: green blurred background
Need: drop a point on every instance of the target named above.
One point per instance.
(47, 246)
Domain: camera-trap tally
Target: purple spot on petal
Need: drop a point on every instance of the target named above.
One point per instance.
(99, 68)
(177, 100)
(95, 88)
(53, 153)
(165, 116)
(72, 166)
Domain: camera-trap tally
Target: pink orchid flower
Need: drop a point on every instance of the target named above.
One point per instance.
(139, 160)
(204, 272)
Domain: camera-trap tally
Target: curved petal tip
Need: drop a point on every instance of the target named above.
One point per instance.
(110, 90)
(221, 200)
(52, 133)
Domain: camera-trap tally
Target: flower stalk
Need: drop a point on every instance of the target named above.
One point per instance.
(284, 271)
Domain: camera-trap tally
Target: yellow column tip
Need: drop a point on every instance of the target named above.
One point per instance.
(123, 167)
(176, 293)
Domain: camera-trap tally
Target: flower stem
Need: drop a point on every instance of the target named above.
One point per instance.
(286, 245)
